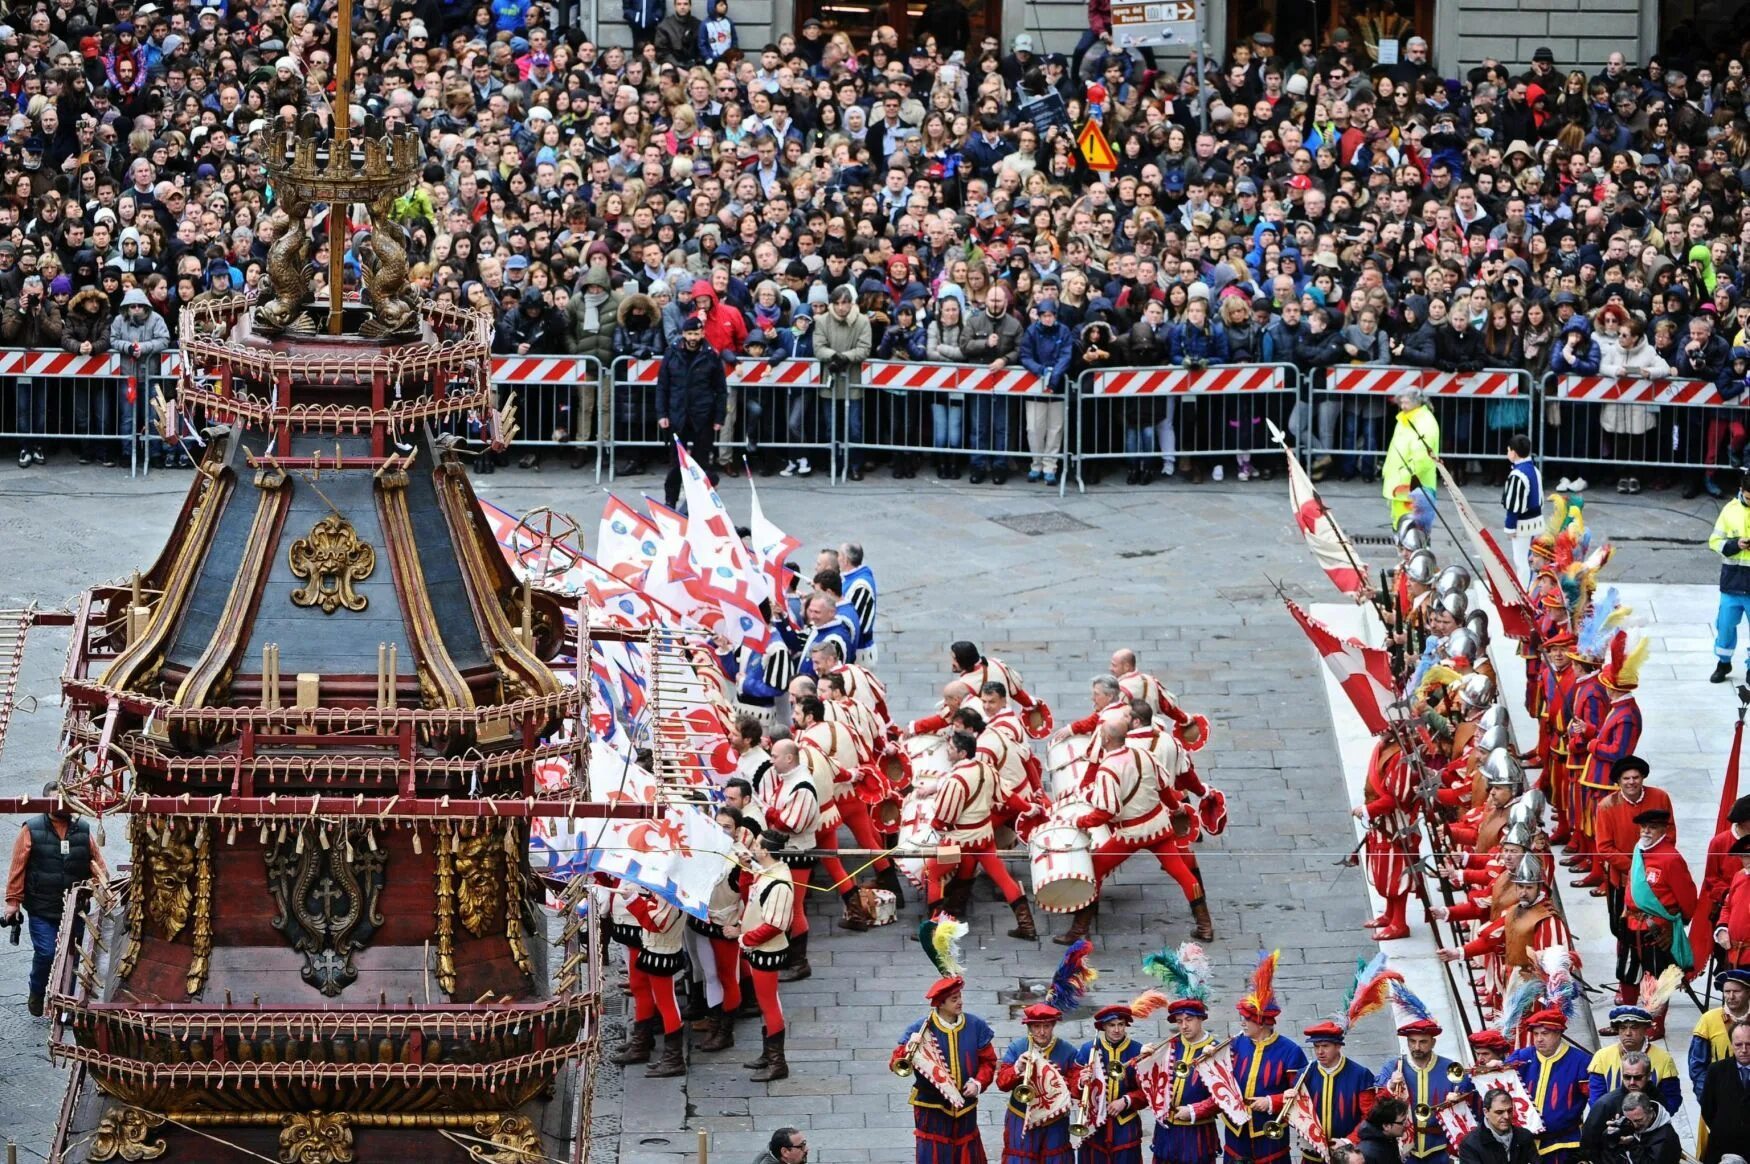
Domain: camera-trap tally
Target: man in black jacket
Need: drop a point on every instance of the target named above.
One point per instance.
(51, 854)
(1380, 1132)
(1498, 1141)
(1725, 1101)
(692, 395)
(1642, 1134)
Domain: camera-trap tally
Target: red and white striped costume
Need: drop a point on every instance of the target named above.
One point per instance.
(988, 670)
(1391, 808)
(1003, 745)
(790, 801)
(1168, 752)
(938, 722)
(867, 735)
(831, 752)
(866, 691)
(965, 800)
(1123, 788)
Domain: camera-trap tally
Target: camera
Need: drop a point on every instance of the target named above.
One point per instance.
(1622, 1130)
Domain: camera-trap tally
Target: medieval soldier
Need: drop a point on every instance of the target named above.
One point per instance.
(1661, 899)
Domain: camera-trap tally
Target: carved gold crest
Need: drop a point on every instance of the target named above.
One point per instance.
(330, 559)
(316, 1138)
(124, 1134)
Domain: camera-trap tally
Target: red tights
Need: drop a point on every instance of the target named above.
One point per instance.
(653, 995)
(1174, 861)
(971, 861)
(765, 988)
(726, 956)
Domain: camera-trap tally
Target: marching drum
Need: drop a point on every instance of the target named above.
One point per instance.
(1061, 857)
(1065, 761)
(916, 837)
(928, 756)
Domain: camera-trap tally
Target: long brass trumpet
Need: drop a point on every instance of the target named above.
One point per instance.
(1279, 1127)
(1024, 1094)
(1184, 1067)
(1455, 1073)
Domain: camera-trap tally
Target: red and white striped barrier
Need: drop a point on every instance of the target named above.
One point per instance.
(1186, 381)
(32, 363)
(1373, 380)
(893, 375)
(784, 373)
(1634, 390)
(542, 369)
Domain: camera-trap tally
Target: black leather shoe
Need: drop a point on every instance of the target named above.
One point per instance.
(976, 477)
(1722, 672)
(999, 477)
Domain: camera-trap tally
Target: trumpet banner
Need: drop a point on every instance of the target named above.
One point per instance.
(1154, 1074)
(1303, 1116)
(928, 1062)
(1050, 1089)
(1217, 1074)
(1525, 1113)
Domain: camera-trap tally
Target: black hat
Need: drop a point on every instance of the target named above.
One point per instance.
(1657, 817)
(1543, 53)
(692, 323)
(1628, 764)
(1741, 845)
(1740, 810)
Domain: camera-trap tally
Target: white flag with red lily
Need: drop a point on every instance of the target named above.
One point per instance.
(1363, 672)
(1318, 526)
(1303, 1117)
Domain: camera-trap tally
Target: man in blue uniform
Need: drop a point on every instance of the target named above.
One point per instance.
(1119, 1139)
(948, 1133)
(1341, 1089)
(1188, 1135)
(1046, 1142)
(1419, 1078)
(1555, 1077)
(1265, 1066)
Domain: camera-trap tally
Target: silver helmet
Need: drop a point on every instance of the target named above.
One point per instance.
(1422, 568)
(1495, 736)
(1412, 537)
(1529, 871)
(1455, 604)
(1476, 691)
(1461, 644)
(1453, 580)
(1495, 716)
(1502, 768)
(1517, 834)
(1528, 809)
(1477, 623)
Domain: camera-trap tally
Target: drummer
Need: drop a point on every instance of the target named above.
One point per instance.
(1106, 696)
(965, 801)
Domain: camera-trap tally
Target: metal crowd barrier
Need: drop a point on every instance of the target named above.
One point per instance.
(1351, 412)
(60, 398)
(775, 410)
(1155, 416)
(951, 411)
(1633, 423)
(553, 393)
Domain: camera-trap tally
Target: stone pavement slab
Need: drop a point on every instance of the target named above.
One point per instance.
(1184, 574)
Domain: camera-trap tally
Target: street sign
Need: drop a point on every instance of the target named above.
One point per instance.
(1165, 23)
(1096, 151)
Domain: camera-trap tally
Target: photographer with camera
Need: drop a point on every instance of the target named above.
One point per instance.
(1637, 1078)
(1725, 1100)
(1640, 1133)
(1498, 1140)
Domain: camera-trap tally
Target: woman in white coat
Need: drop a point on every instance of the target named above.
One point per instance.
(1629, 354)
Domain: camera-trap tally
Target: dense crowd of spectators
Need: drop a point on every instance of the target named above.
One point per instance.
(822, 198)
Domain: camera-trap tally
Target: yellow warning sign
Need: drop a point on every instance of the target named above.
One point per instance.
(1096, 151)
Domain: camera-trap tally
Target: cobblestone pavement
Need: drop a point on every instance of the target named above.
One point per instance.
(1182, 574)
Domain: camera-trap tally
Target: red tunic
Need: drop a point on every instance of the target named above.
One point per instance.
(1615, 830)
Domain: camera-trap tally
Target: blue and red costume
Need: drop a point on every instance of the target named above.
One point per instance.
(1557, 1086)
(1265, 1068)
(1424, 1086)
(947, 1134)
(1588, 704)
(1119, 1139)
(1197, 1142)
(1049, 1142)
(1342, 1097)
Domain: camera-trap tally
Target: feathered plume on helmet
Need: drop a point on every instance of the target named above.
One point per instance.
(940, 938)
(1259, 1004)
(1070, 984)
(1184, 971)
(1414, 1017)
(1561, 990)
(1421, 510)
(1622, 666)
